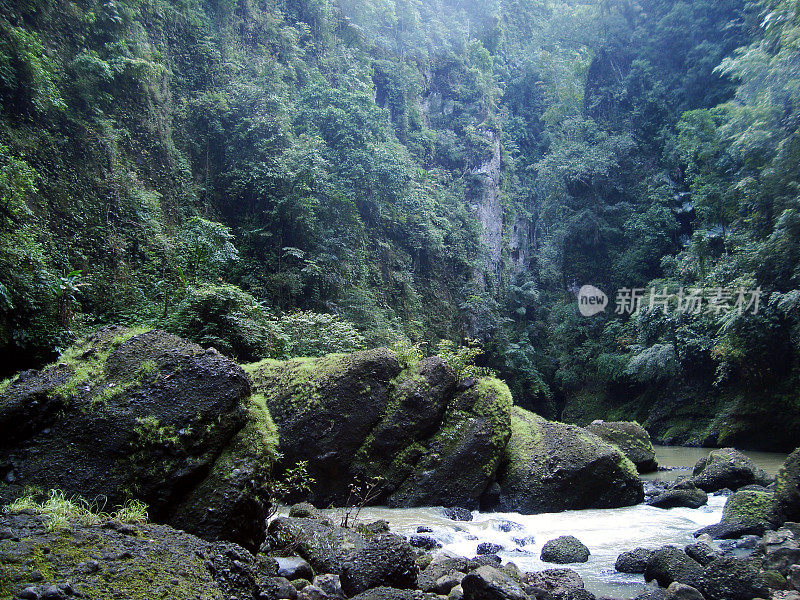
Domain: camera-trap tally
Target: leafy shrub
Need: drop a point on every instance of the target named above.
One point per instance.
(462, 359)
(653, 364)
(314, 334)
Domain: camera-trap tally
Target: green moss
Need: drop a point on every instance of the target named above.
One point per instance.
(150, 433)
(526, 437)
(748, 506)
(5, 383)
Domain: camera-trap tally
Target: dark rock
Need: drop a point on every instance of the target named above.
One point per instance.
(729, 531)
(424, 541)
(632, 439)
(29, 593)
(148, 412)
(702, 553)
(157, 555)
(727, 468)
(730, 578)
(489, 548)
(652, 594)
(441, 565)
(277, 588)
(551, 467)
(681, 495)
(680, 591)
(425, 529)
(386, 560)
(387, 593)
(330, 584)
(325, 546)
(508, 526)
(554, 584)
(565, 549)
(456, 513)
(311, 592)
(633, 561)
(445, 583)
(781, 559)
(491, 560)
(670, 564)
(294, 567)
(787, 491)
(488, 583)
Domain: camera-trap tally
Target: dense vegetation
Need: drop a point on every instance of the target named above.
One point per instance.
(286, 177)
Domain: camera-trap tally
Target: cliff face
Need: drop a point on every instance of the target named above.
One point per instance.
(485, 200)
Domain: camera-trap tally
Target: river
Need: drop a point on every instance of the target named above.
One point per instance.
(606, 532)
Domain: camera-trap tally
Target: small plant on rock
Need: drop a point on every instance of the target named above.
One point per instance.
(362, 493)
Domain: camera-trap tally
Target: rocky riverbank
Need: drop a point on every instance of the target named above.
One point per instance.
(202, 441)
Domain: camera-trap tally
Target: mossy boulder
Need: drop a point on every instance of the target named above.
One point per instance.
(727, 468)
(564, 550)
(786, 506)
(146, 415)
(631, 438)
(358, 416)
(112, 560)
(730, 578)
(747, 507)
(669, 564)
(551, 466)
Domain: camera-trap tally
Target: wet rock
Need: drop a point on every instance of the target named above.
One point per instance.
(680, 591)
(457, 593)
(306, 510)
(550, 467)
(445, 583)
(311, 592)
(488, 583)
(387, 593)
(652, 594)
(278, 588)
(294, 567)
(731, 531)
(456, 513)
(748, 508)
(670, 564)
(424, 541)
(386, 560)
(727, 468)
(794, 576)
(632, 439)
(683, 494)
(489, 548)
(633, 561)
(441, 565)
(730, 578)
(564, 550)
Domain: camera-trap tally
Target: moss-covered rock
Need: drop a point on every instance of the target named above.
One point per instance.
(747, 507)
(358, 416)
(146, 415)
(631, 438)
(786, 505)
(727, 468)
(112, 560)
(551, 466)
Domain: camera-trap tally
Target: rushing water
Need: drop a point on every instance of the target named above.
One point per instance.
(606, 533)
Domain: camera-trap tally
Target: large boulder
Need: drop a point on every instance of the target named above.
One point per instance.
(551, 466)
(385, 561)
(669, 564)
(680, 591)
(565, 550)
(146, 415)
(356, 417)
(727, 468)
(787, 491)
(109, 559)
(631, 438)
(730, 578)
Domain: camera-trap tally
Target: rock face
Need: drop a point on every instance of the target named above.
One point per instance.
(356, 416)
(631, 438)
(550, 467)
(112, 560)
(787, 491)
(147, 415)
(727, 468)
